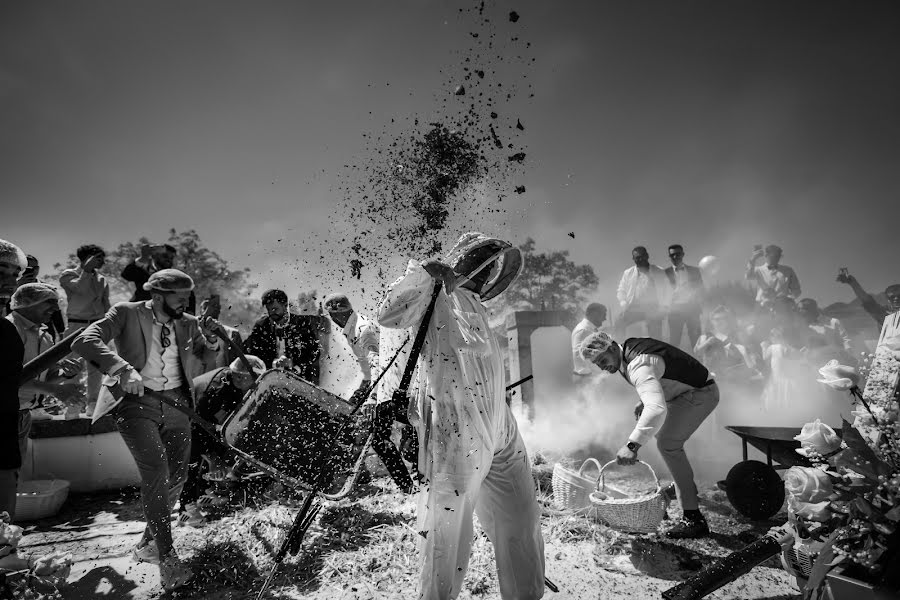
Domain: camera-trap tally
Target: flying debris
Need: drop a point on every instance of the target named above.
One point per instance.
(519, 125)
(497, 142)
(520, 189)
(460, 91)
(571, 234)
(513, 16)
(517, 157)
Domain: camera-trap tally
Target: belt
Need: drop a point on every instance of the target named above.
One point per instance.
(88, 321)
(166, 390)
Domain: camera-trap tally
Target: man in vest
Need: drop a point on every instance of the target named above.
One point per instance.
(676, 393)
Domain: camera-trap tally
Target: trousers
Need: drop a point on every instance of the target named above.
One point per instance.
(679, 319)
(684, 415)
(510, 516)
(159, 438)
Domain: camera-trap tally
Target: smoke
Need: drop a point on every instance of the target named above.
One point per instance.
(577, 418)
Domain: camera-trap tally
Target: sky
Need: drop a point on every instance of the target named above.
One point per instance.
(717, 125)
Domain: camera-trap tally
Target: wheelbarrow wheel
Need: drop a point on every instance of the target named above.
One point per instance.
(754, 489)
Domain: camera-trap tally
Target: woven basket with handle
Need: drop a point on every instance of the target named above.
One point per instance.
(572, 489)
(637, 515)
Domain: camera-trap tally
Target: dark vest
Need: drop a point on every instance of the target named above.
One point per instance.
(680, 366)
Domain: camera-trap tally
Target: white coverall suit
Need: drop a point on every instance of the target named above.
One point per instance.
(470, 450)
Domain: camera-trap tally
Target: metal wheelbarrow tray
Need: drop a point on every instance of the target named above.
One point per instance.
(755, 488)
(290, 428)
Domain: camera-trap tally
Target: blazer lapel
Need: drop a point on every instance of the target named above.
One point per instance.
(146, 319)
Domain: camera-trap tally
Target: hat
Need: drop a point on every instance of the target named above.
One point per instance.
(169, 280)
(596, 344)
(259, 367)
(12, 254)
(337, 302)
(509, 261)
(32, 294)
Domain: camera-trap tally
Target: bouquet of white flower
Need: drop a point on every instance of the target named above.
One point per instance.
(849, 501)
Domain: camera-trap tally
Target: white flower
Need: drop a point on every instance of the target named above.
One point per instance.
(838, 376)
(818, 437)
(806, 484)
(818, 511)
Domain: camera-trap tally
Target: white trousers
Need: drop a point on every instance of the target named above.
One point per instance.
(508, 511)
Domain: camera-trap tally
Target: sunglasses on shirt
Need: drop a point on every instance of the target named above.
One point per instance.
(164, 337)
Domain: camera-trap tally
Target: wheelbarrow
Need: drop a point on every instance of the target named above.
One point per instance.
(753, 487)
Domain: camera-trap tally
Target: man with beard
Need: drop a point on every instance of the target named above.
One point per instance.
(285, 340)
(642, 294)
(676, 394)
(159, 348)
(471, 454)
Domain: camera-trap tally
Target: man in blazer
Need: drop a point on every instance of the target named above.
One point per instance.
(158, 348)
(686, 298)
(285, 340)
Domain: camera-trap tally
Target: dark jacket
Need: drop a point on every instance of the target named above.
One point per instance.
(12, 353)
(139, 275)
(303, 345)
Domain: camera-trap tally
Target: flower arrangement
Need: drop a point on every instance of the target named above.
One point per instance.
(33, 578)
(848, 501)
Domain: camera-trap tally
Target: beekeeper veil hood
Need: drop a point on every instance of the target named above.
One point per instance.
(475, 252)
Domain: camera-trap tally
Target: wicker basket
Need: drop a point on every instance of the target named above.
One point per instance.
(572, 489)
(635, 515)
(40, 498)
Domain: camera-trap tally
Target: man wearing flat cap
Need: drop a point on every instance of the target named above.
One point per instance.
(158, 348)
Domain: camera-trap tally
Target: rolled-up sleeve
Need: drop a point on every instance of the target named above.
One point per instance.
(645, 373)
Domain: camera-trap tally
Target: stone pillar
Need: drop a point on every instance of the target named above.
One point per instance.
(519, 327)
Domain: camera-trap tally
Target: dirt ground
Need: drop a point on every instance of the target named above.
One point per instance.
(364, 547)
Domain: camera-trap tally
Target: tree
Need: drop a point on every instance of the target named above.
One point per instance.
(211, 274)
(550, 281)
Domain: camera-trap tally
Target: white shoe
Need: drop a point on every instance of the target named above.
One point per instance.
(147, 553)
(173, 573)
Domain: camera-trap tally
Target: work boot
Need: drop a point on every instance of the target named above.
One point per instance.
(687, 528)
(173, 573)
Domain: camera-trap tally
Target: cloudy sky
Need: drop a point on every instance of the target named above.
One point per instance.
(715, 124)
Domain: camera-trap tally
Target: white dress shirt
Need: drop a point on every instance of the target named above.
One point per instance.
(648, 289)
(163, 368)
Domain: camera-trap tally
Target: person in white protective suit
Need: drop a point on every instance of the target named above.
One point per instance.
(471, 455)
